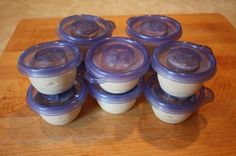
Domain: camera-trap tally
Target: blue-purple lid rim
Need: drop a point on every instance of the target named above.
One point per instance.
(153, 40)
(49, 71)
(96, 75)
(110, 25)
(58, 110)
(158, 103)
(180, 76)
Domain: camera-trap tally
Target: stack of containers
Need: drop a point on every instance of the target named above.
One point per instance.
(55, 69)
(176, 91)
(55, 92)
(181, 68)
(115, 67)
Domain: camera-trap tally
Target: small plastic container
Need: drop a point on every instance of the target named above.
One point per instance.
(182, 67)
(171, 109)
(58, 109)
(153, 30)
(51, 66)
(116, 103)
(84, 30)
(116, 64)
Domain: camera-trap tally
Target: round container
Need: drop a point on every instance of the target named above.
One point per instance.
(84, 30)
(51, 66)
(116, 64)
(153, 30)
(182, 67)
(171, 109)
(116, 103)
(58, 109)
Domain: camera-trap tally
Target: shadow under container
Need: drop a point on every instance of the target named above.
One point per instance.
(58, 109)
(51, 66)
(153, 30)
(116, 64)
(116, 103)
(171, 109)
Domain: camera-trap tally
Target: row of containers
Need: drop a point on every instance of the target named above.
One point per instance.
(88, 58)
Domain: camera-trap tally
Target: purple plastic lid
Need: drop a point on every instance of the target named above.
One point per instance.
(167, 103)
(57, 104)
(184, 62)
(84, 29)
(49, 59)
(153, 29)
(101, 95)
(116, 59)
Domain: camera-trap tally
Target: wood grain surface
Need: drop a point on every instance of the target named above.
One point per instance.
(210, 131)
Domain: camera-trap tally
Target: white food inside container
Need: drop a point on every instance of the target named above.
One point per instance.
(119, 87)
(116, 108)
(178, 89)
(170, 117)
(54, 85)
(62, 119)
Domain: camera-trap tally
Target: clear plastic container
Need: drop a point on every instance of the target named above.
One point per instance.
(171, 109)
(51, 66)
(84, 30)
(116, 64)
(116, 103)
(58, 109)
(182, 67)
(153, 30)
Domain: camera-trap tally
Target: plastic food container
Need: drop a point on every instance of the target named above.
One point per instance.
(51, 66)
(58, 109)
(84, 30)
(182, 67)
(116, 64)
(171, 109)
(153, 30)
(116, 103)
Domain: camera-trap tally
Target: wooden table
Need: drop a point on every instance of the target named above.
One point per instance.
(211, 131)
